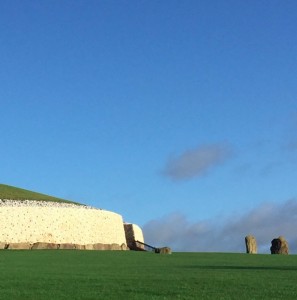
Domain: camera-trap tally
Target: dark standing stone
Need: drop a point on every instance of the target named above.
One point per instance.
(279, 246)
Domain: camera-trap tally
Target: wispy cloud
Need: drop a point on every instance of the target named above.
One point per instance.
(265, 222)
(196, 162)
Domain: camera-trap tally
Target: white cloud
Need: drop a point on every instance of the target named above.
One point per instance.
(196, 162)
(265, 222)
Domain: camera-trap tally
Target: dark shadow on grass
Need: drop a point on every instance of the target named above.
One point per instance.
(256, 268)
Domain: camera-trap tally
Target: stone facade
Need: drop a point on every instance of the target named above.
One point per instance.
(133, 233)
(29, 222)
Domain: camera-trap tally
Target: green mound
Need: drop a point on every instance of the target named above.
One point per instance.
(13, 193)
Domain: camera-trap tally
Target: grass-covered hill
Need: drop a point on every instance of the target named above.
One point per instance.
(13, 193)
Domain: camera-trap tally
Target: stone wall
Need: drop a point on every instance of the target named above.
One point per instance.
(133, 233)
(58, 223)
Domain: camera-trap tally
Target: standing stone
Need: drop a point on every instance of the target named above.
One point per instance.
(275, 246)
(251, 244)
(279, 246)
(284, 245)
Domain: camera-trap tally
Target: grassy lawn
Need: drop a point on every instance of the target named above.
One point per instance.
(13, 193)
(67, 274)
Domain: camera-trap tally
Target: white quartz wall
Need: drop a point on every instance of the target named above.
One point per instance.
(30, 222)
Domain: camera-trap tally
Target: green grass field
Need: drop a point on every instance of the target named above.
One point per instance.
(13, 193)
(73, 274)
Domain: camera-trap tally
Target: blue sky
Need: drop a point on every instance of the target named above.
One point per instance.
(171, 113)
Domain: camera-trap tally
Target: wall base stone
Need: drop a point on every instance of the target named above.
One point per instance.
(52, 246)
(45, 246)
(3, 246)
(19, 246)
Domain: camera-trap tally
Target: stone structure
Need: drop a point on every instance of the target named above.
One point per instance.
(279, 246)
(165, 250)
(133, 234)
(251, 244)
(56, 225)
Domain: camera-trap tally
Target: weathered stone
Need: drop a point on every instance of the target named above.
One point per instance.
(165, 250)
(124, 247)
(99, 246)
(279, 246)
(44, 246)
(115, 247)
(19, 246)
(67, 246)
(275, 246)
(284, 245)
(3, 246)
(80, 247)
(89, 247)
(134, 234)
(251, 244)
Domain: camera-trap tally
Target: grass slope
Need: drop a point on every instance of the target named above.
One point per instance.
(67, 274)
(14, 193)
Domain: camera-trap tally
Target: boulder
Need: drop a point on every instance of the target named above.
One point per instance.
(279, 246)
(44, 246)
(89, 247)
(115, 247)
(19, 246)
(124, 247)
(284, 245)
(165, 250)
(251, 244)
(275, 246)
(79, 247)
(3, 246)
(99, 246)
(67, 246)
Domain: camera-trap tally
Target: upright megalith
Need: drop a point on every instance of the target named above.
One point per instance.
(279, 246)
(275, 246)
(284, 245)
(251, 244)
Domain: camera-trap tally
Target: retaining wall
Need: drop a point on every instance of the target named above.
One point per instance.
(133, 233)
(51, 222)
